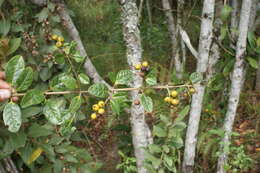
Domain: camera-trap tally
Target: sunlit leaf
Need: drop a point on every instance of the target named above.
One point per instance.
(12, 117)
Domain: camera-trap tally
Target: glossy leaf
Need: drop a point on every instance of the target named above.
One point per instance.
(253, 63)
(25, 79)
(32, 97)
(124, 77)
(84, 79)
(14, 44)
(98, 90)
(75, 104)
(4, 27)
(147, 103)
(12, 117)
(158, 131)
(151, 78)
(54, 111)
(196, 77)
(14, 68)
(69, 81)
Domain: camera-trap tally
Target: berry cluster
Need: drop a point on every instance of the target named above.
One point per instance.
(99, 109)
(172, 99)
(59, 40)
(144, 67)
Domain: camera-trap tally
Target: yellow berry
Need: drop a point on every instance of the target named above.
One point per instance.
(174, 93)
(60, 39)
(167, 99)
(58, 44)
(192, 90)
(138, 67)
(95, 107)
(206, 110)
(101, 104)
(54, 37)
(101, 111)
(175, 102)
(145, 64)
(93, 116)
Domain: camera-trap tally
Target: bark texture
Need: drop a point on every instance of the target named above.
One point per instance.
(173, 32)
(197, 98)
(140, 131)
(234, 18)
(237, 81)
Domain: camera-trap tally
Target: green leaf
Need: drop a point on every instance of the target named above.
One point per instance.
(253, 63)
(177, 142)
(223, 32)
(4, 27)
(14, 68)
(156, 162)
(151, 77)
(251, 39)
(258, 42)
(12, 117)
(153, 148)
(32, 97)
(196, 77)
(43, 15)
(84, 79)
(25, 80)
(158, 131)
(69, 81)
(147, 103)
(54, 111)
(179, 126)
(14, 44)
(75, 104)
(225, 12)
(124, 77)
(18, 140)
(35, 131)
(183, 113)
(78, 58)
(98, 90)
(115, 106)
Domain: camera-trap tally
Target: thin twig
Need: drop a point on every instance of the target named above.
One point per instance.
(113, 90)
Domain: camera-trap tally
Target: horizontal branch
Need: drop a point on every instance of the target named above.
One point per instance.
(112, 90)
(186, 40)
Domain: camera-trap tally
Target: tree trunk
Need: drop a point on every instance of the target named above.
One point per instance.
(197, 98)
(236, 83)
(173, 31)
(234, 18)
(140, 131)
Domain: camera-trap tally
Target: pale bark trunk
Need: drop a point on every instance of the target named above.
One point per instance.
(173, 31)
(236, 83)
(197, 98)
(186, 40)
(149, 12)
(140, 131)
(234, 18)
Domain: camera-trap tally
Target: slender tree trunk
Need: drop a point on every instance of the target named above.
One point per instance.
(149, 12)
(234, 18)
(140, 130)
(236, 83)
(173, 31)
(197, 98)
